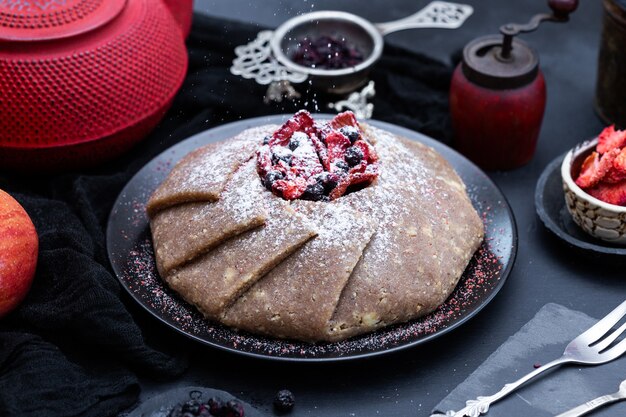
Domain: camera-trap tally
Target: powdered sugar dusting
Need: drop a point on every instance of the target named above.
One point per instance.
(336, 225)
(243, 195)
(480, 279)
(214, 166)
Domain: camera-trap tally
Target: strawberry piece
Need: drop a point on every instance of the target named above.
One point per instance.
(610, 193)
(290, 189)
(620, 161)
(347, 118)
(614, 176)
(300, 122)
(316, 161)
(617, 172)
(336, 143)
(595, 168)
(610, 139)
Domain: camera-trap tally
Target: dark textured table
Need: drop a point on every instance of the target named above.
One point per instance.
(411, 382)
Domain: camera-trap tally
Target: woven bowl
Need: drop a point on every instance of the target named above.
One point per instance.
(82, 81)
(599, 219)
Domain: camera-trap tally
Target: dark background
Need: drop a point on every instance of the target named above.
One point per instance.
(411, 382)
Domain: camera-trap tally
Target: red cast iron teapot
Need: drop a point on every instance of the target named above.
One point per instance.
(183, 13)
(82, 81)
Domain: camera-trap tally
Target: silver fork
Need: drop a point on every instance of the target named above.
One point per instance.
(589, 406)
(593, 347)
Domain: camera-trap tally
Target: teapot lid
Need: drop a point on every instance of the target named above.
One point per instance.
(28, 20)
(483, 63)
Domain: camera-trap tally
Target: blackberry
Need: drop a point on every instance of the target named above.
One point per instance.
(326, 180)
(266, 140)
(313, 192)
(354, 155)
(342, 165)
(233, 408)
(284, 401)
(296, 140)
(215, 406)
(272, 177)
(351, 132)
(293, 143)
(281, 154)
(192, 407)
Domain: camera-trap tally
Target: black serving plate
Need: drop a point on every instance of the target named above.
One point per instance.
(161, 404)
(130, 251)
(551, 208)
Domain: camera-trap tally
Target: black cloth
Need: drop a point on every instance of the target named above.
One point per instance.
(74, 347)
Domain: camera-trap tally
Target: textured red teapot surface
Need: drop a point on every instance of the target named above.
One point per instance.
(83, 80)
(52, 19)
(183, 13)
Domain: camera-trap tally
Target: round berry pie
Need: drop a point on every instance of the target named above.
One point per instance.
(314, 230)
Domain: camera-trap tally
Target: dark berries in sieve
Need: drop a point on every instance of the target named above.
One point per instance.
(351, 132)
(326, 52)
(284, 401)
(354, 155)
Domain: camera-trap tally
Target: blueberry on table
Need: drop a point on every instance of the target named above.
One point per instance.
(284, 401)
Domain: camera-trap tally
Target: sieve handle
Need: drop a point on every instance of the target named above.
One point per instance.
(438, 14)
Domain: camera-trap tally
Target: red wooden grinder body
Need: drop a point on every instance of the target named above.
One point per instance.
(497, 104)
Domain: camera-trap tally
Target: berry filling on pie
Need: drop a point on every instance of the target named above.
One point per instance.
(316, 161)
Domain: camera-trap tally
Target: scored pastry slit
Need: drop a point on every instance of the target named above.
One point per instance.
(202, 175)
(420, 251)
(272, 245)
(183, 232)
(241, 261)
(296, 299)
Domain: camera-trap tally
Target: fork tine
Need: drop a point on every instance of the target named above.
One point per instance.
(599, 329)
(610, 338)
(615, 352)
